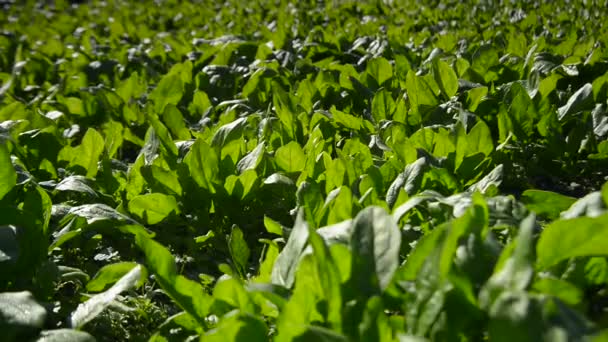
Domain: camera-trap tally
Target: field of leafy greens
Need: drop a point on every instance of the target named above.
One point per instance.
(304, 170)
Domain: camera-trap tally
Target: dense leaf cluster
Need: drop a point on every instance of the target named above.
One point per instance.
(282, 170)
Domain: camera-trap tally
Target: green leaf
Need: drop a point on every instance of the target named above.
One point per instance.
(374, 324)
(203, 164)
(285, 108)
(290, 157)
(329, 277)
(445, 77)
(375, 244)
(283, 272)
(174, 120)
(410, 180)
(383, 106)
(565, 239)
(90, 309)
(229, 132)
(239, 250)
(484, 58)
(252, 159)
(188, 294)
(546, 203)
(515, 272)
(558, 288)
(110, 274)
(84, 158)
(581, 100)
(235, 326)
(167, 180)
(19, 313)
(8, 176)
(380, 69)
(231, 291)
(273, 226)
(162, 133)
(421, 96)
(153, 208)
(76, 183)
(169, 90)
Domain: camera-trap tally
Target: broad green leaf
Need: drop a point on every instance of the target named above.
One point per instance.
(270, 256)
(380, 69)
(375, 244)
(346, 120)
(546, 203)
(8, 176)
(161, 131)
(484, 58)
(421, 96)
(84, 157)
(110, 274)
(167, 180)
(76, 183)
(492, 179)
(581, 100)
(203, 163)
(90, 309)
(231, 291)
(186, 293)
(558, 288)
(252, 159)
(174, 121)
(99, 212)
(515, 272)
(565, 239)
(241, 186)
(169, 90)
(229, 132)
(284, 270)
(410, 180)
(113, 135)
(290, 157)
(239, 250)
(383, 106)
(445, 77)
(273, 226)
(19, 313)
(153, 208)
(285, 108)
(329, 277)
(237, 325)
(374, 325)
(515, 315)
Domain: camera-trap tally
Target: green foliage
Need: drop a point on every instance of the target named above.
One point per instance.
(292, 171)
